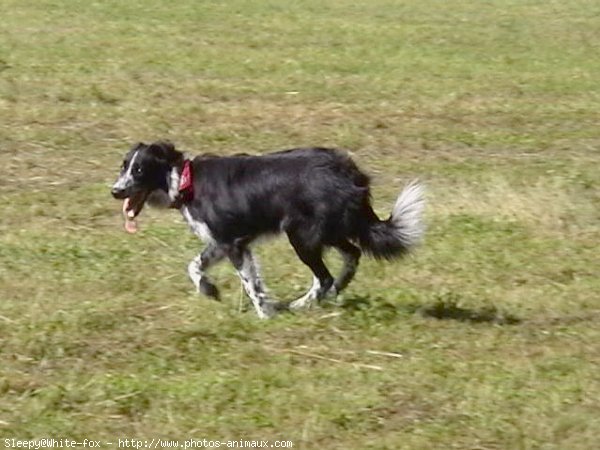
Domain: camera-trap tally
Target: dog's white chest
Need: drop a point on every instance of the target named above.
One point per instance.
(198, 227)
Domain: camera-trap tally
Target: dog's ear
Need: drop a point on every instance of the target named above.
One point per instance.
(138, 146)
(165, 151)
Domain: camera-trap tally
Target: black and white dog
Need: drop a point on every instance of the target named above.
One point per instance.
(317, 196)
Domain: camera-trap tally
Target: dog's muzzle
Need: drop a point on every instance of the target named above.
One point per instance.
(118, 193)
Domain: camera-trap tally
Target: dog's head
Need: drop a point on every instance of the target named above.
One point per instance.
(145, 175)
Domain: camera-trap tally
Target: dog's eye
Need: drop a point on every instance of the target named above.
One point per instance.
(137, 170)
(123, 164)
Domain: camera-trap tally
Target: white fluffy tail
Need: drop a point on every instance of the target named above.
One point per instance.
(407, 215)
(402, 231)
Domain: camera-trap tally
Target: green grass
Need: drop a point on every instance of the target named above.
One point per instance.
(487, 338)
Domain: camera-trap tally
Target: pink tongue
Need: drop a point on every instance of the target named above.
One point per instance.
(131, 226)
(130, 223)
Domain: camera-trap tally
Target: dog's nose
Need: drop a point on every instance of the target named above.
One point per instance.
(117, 192)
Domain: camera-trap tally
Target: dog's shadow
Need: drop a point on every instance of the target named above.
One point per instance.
(441, 309)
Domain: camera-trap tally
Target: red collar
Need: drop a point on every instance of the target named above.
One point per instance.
(186, 182)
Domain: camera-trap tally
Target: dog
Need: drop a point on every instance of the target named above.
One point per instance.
(318, 197)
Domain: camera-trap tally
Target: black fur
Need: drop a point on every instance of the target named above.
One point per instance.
(317, 196)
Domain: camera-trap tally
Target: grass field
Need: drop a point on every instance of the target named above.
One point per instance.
(487, 338)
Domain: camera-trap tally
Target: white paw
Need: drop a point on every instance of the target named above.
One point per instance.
(302, 303)
(306, 301)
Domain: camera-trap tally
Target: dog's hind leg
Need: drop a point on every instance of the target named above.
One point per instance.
(197, 268)
(243, 261)
(322, 280)
(351, 256)
(306, 300)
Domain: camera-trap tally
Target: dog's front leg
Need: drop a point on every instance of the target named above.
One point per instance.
(197, 268)
(244, 263)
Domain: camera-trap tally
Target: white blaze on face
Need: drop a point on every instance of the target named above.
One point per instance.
(126, 178)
